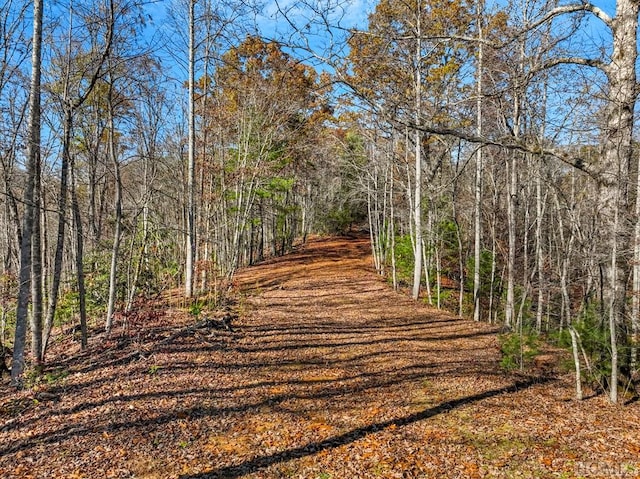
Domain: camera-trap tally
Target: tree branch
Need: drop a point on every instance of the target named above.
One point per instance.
(588, 62)
(510, 143)
(574, 8)
(106, 51)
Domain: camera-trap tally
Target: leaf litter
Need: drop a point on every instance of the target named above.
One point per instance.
(327, 373)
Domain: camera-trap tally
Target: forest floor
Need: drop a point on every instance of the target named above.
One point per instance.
(328, 373)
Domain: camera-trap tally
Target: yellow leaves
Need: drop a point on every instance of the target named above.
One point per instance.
(321, 427)
(77, 474)
(442, 71)
(228, 444)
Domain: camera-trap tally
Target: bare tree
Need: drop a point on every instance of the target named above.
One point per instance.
(477, 190)
(616, 153)
(74, 93)
(113, 152)
(191, 160)
(33, 164)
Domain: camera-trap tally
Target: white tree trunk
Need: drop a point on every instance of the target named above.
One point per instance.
(417, 218)
(117, 235)
(539, 255)
(616, 157)
(576, 362)
(509, 310)
(477, 187)
(190, 236)
(635, 300)
(417, 205)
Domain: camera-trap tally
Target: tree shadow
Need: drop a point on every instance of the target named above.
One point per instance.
(320, 388)
(326, 358)
(258, 463)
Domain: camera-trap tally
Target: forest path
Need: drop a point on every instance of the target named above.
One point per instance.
(328, 374)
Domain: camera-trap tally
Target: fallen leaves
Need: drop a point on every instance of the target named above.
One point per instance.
(328, 374)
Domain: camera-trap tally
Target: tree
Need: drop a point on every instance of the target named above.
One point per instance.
(191, 159)
(74, 87)
(14, 100)
(617, 156)
(612, 172)
(150, 109)
(114, 153)
(477, 211)
(33, 164)
(264, 111)
(118, 105)
(14, 103)
(411, 43)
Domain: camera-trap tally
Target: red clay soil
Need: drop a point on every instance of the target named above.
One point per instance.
(328, 373)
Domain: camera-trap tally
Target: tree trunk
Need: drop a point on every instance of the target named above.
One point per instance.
(117, 235)
(191, 216)
(79, 236)
(36, 269)
(576, 362)
(511, 254)
(392, 222)
(477, 186)
(18, 365)
(417, 205)
(616, 156)
(62, 206)
(62, 221)
(539, 255)
(635, 299)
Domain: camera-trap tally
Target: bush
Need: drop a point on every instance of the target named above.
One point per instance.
(596, 343)
(404, 258)
(518, 349)
(486, 287)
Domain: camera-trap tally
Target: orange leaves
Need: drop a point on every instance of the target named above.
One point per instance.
(77, 474)
(634, 448)
(336, 389)
(270, 105)
(259, 68)
(408, 56)
(320, 427)
(24, 471)
(228, 444)
(547, 461)
(471, 470)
